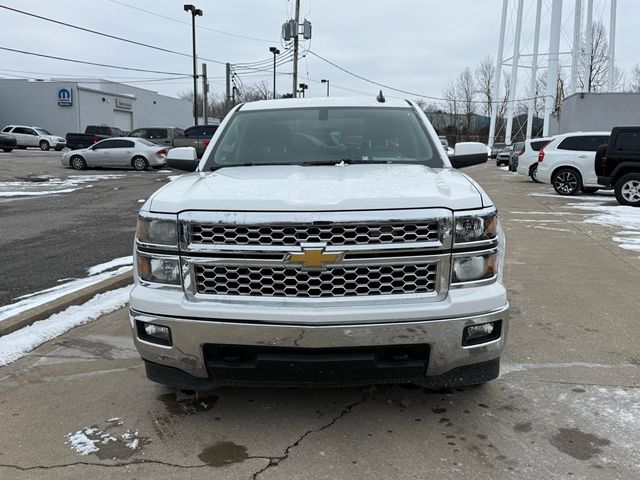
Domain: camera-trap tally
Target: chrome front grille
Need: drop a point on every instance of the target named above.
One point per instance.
(331, 235)
(345, 281)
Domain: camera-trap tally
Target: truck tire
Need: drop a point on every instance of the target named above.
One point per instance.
(78, 163)
(8, 150)
(566, 181)
(44, 145)
(139, 163)
(627, 190)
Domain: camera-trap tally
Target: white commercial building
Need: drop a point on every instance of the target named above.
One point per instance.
(63, 105)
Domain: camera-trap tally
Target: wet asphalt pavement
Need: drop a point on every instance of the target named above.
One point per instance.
(70, 221)
(567, 405)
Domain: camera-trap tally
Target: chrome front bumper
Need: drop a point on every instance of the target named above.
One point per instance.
(443, 336)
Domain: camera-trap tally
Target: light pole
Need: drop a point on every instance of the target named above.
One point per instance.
(303, 87)
(195, 12)
(324, 80)
(275, 52)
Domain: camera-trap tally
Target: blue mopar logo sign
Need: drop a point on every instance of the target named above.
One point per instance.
(64, 97)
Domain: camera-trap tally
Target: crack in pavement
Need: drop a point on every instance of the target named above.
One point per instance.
(275, 461)
(120, 464)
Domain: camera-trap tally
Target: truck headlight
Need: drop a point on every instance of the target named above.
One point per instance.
(475, 267)
(158, 269)
(476, 227)
(157, 229)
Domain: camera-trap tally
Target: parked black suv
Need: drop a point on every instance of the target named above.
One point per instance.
(617, 165)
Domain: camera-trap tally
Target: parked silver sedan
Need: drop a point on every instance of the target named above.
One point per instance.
(117, 152)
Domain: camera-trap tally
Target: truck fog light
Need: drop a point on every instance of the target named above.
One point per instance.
(158, 269)
(482, 333)
(475, 267)
(153, 333)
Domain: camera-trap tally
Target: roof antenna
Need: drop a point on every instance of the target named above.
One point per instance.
(380, 97)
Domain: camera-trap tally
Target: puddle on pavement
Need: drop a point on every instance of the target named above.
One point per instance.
(579, 445)
(223, 453)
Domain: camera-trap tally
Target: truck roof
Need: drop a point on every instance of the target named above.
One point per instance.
(281, 103)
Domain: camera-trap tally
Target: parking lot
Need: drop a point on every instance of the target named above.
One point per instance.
(58, 222)
(566, 406)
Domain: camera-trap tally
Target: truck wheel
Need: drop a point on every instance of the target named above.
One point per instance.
(566, 181)
(627, 190)
(589, 189)
(78, 163)
(44, 145)
(533, 173)
(140, 163)
(8, 150)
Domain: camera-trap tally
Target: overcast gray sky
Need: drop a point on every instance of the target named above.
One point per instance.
(415, 45)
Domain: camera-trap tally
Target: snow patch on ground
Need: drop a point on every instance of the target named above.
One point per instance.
(41, 297)
(53, 186)
(621, 216)
(116, 262)
(17, 344)
(81, 443)
(92, 439)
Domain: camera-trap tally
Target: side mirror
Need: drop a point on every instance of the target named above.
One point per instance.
(466, 154)
(183, 158)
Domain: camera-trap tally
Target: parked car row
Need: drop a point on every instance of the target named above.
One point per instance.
(583, 162)
(138, 153)
(26, 136)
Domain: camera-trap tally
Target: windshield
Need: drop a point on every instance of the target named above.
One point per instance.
(42, 131)
(324, 135)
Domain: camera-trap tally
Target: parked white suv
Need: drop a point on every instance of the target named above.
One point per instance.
(528, 160)
(323, 241)
(568, 162)
(35, 137)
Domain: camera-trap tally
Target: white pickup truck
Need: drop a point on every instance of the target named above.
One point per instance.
(321, 242)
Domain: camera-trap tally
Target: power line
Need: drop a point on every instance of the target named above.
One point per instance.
(197, 26)
(407, 92)
(114, 37)
(24, 52)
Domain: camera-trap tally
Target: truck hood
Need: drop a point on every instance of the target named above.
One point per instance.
(318, 188)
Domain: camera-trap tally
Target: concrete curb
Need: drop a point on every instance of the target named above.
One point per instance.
(78, 297)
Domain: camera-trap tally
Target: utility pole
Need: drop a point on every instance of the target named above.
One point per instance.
(514, 74)
(324, 80)
(498, 80)
(205, 93)
(554, 53)
(195, 12)
(588, 63)
(295, 49)
(228, 95)
(275, 52)
(534, 72)
(612, 46)
(577, 41)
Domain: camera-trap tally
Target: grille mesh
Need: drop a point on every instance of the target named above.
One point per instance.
(294, 235)
(333, 282)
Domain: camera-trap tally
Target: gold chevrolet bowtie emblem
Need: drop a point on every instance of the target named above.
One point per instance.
(314, 257)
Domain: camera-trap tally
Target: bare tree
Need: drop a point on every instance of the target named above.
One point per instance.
(485, 80)
(594, 73)
(634, 80)
(450, 95)
(466, 89)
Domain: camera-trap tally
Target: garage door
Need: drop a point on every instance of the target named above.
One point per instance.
(123, 120)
